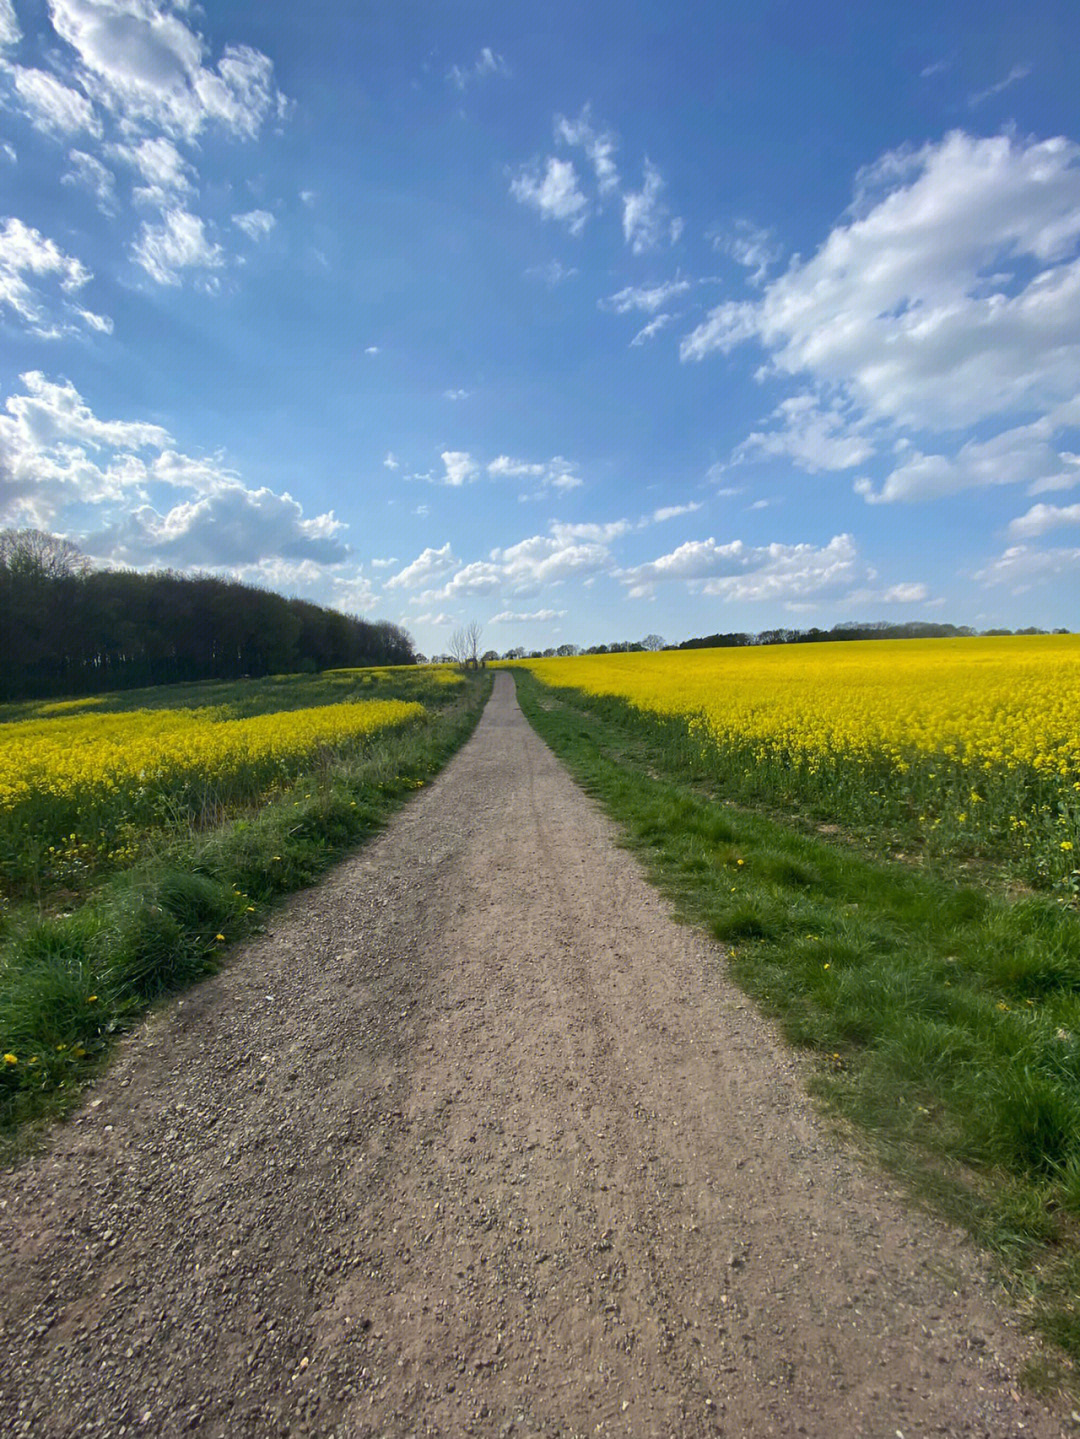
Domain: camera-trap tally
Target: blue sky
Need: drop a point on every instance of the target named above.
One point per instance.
(581, 322)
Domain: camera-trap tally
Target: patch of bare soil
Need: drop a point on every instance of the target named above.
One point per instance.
(478, 1141)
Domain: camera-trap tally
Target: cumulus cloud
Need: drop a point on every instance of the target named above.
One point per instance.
(231, 528)
(921, 306)
(599, 145)
(554, 192)
(647, 221)
(256, 224)
(53, 107)
(1022, 568)
(554, 474)
(1042, 518)
(59, 457)
(816, 437)
(1024, 455)
(948, 298)
(459, 468)
(178, 244)
(141, 60)
(430, 564)
(737, 571)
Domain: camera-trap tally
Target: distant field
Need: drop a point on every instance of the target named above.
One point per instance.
(142, 832)
(87, 785)
(968, 746)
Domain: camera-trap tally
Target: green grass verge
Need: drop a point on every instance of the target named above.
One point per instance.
(70, 983)
(944, 1017)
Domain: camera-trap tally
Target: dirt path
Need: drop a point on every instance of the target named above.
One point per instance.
(477, 1141)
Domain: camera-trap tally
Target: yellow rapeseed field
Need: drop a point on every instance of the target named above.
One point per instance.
(976, 741)
(985, 702)
(92, 756)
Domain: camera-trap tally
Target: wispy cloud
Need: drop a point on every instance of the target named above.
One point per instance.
(554, 192)
(486, 63)
(1017, 73)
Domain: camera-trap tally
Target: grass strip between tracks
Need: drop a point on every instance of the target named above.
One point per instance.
(944, 1018)
(70, 984)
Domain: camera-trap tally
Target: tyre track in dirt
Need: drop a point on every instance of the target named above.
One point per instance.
(476, 1140)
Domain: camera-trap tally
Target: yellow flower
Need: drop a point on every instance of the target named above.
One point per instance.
(219, 936)
(11, 1059)
(1066, 844)
(91, 999)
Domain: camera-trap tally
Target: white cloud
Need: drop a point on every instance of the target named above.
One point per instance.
(602, 532)
(670, 512)
(599, 146)
(168, 179)
(816, 438)
(922, 308)
(102, 323)
(545, 559)
(906, 593)
(553, 273)
(373, 350)
(384, 564)
(487, 63)
(554, 192)
(1022, 455)
(26, 252)
(10, 34)
(646, 219)
(648, 298)
(505, 467)
(59, 457)
(179, 243)
(947, 299)
(441, 619)
(651, 330)
(1042, 518)
(430, 564)
(1022, 568)
(256, 224)
(555, 474)
(7, 149)
(231, 528)
(391, 462)
(455, 394)
(141, 60)
(53, 107)
(88, 172)
(753, 248)
(460, 468)
(522, 617)
(1018, 72)
(736, 571)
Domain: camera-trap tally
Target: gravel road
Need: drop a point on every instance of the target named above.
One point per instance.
(476, 1140)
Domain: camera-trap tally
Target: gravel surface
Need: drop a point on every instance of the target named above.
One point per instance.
(476, 1140)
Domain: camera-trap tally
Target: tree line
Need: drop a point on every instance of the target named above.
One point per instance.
(68, 629)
